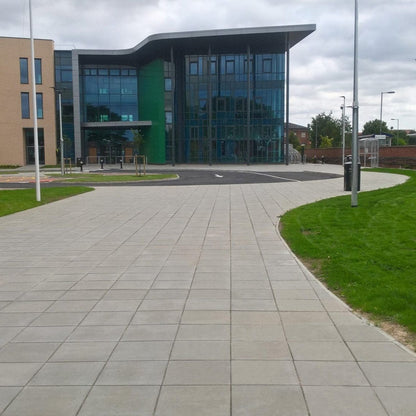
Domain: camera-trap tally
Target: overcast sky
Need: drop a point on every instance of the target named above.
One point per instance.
(321, 65)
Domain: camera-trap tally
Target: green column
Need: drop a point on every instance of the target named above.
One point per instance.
(152, 107)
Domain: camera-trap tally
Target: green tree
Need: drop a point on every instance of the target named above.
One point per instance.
(373, 127)
(400, 138)
(326, 125)
(138, 141)
(326, 142)
(293, 139)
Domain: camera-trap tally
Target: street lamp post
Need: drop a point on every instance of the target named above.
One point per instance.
(343, 130)
(35, 111)
(397, 130)
(354, 142)
(381, 105)
(61, 139)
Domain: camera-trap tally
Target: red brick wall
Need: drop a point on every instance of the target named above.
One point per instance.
(400, 156)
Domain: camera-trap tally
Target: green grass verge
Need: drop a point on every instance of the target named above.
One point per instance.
(12, 201)
(367, 254)
(101, 177)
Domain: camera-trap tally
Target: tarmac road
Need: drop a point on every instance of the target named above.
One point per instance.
(195, 177)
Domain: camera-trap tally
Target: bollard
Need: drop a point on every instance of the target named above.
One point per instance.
(81, 164)
(102, 163)
(121, 163)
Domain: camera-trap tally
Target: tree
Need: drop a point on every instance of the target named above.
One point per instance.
(326, 142)
(138, 141)
(400, 138)
(373, 127)
(293, 140)
(326, 125)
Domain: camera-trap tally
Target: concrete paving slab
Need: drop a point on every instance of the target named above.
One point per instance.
(184, 300)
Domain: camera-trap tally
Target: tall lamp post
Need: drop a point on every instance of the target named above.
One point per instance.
(354, 142)
(381, 105)
(35, 109)
(343, 129)
(397, 130)
(61, 138)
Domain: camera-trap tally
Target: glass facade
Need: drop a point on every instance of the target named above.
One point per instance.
(63, 83)
(234, 110)
(108, 94)
(169, 76)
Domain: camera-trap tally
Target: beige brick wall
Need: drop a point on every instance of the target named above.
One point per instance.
(12, 146)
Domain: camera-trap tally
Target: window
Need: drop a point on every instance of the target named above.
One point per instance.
(193, 68)
(213, 66)
(168, 117)
(24, 96)
(220, 104)
(39, 104)
(24, 71)
(240, 104)
(30, 146)
(194, 133)
(247, 68)
(168, 84)
(66, 76)
(229, 67)
(38, 70)
(267, 66)
(203, 105)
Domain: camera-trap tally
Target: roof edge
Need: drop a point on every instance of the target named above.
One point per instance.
(200, 34)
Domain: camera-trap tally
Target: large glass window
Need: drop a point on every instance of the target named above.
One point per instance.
(24, 71)
(243, 105)
(30, 146)
(24, 98)
(63, 83)
(39, 104)
(168, 84)
(109, 94)
(38, 70)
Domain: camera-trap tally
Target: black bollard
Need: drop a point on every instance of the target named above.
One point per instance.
(81, 164)
(102, 163)
(121, 163)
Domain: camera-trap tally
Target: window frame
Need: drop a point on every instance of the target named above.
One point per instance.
(24, 78)
(39, 105)
(25, 105)
(38, 71)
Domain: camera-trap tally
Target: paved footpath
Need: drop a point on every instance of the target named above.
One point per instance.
(184, 301)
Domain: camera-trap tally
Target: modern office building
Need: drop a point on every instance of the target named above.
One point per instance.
(16, 109)
(217, 96)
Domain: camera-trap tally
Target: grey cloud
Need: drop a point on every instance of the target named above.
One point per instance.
(321, 65)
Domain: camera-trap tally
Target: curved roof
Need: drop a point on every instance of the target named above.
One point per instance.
(262, 39)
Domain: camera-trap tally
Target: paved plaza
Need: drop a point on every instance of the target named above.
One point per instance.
(184, 301)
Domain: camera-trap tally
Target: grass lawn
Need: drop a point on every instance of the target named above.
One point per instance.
(102, 177)
(367, 254)
(21, 199)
